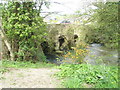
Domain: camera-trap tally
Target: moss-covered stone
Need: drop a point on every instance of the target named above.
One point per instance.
(62, 37)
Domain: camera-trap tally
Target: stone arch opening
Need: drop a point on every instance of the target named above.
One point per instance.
(61, 40)
(45, 47)
(75, 37)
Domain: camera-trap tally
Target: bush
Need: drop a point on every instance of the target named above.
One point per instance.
(24, 29)
(77, 55)
(89, 76)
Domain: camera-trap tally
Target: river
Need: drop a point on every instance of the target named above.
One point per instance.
(101, 55)
(98, 54)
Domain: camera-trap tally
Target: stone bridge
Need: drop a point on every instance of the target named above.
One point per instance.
(62, 37)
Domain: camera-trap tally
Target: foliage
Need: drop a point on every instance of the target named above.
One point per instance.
(100, 23)
(25, 64)
(77, 55)
(1, 7)
(105, 23)
(25, 29)
(88, 76)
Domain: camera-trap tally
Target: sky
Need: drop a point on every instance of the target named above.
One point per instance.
(68, 6)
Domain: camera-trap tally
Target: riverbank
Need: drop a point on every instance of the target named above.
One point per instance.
(36, 75)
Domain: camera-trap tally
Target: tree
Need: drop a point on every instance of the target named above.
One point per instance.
(24, 29)
(100, 23)
(105, 19)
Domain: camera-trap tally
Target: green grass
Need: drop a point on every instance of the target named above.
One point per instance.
(88, 76)
(25, 64)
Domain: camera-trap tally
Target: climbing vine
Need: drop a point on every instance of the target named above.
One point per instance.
(24, 29)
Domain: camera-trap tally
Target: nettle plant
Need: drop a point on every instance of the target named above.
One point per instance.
(24, 29)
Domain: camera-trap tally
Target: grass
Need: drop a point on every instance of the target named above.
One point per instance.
(5, 64)
(25, 64)
(88, 76)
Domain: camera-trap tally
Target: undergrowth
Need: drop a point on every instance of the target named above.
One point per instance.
(25, 64)
(88, 76)
(77, 55)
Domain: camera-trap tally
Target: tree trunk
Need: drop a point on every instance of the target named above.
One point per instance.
(8, 45)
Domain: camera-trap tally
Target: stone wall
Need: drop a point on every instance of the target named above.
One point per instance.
(63, 36)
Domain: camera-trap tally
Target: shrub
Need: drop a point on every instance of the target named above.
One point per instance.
(77, 55)
(24, 29)
(87, 76)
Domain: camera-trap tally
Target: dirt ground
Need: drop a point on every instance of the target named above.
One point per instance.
(30, 78)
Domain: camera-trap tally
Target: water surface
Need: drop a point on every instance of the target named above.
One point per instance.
(98, 54)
